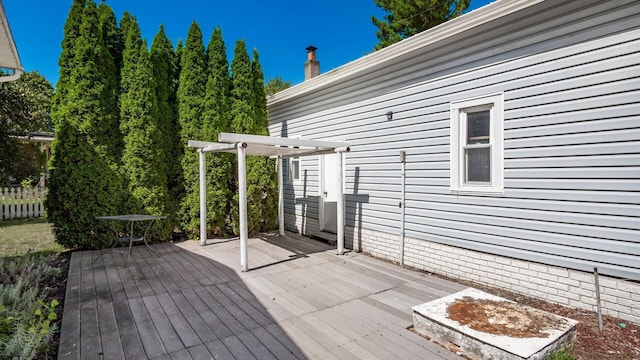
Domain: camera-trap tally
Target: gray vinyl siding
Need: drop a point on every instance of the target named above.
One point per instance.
(571, 148)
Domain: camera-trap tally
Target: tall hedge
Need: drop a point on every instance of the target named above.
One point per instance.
(249, 117)
(216, 119)
(263, 169)
(84, 181)
(191, 92)
(143, 165)
(165, 74)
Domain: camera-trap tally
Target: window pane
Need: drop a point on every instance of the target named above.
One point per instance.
(478, 127)
(295, 168)
(478, 164)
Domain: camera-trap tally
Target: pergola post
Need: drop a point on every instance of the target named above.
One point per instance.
(280, 198)
(340, 208)
(203, 197)
(242, 205)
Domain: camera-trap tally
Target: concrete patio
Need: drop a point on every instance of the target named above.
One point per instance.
(299, 300)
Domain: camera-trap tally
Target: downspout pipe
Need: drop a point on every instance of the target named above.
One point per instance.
(403, 164)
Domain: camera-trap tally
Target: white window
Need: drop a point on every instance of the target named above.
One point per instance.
(477, 145)
(294, 169)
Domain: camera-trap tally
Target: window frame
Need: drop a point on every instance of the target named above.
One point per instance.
(458, 137)
(292, 178)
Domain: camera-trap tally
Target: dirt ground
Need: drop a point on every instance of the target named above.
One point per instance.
(619, 340)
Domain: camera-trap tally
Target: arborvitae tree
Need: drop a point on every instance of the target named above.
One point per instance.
(65, 62)
(263, 169)
(259, 96)
(143, 165)
(242, 109)
(191, 91)
(84, 182)
(248, 119)
(110, 62)
(164, 72)
(113, 39)
(408, 17)
(216, 119)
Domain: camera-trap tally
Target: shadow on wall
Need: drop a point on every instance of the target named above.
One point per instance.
(353, 209)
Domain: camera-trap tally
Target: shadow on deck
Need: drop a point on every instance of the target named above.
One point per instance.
(299, 300)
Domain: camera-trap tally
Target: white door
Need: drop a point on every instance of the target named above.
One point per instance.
(329, 192)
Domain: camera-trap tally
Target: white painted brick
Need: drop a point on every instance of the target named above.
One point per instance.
(503, 260)
(581, 276)
(569, 281)
(588, 300)
(520, 264)
(582, 292)
(616, 293)
(487, 257)
(558, 299)
(528, 272)
(588, 285)
(538, 267)
(538, 281)
(627, 303)
(538, 294)
(560, 272)
(582, 305)
(628, 287)
(549, 277)
(558, 286)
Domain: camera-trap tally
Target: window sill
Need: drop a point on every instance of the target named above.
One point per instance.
(473, 192)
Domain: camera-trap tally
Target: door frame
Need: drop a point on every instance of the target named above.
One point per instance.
(321, 186)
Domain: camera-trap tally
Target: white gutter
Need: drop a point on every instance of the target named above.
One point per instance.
(437, 34)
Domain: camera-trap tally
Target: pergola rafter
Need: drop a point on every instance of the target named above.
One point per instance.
(258, 145)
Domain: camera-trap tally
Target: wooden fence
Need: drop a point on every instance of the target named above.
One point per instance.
(22, 203)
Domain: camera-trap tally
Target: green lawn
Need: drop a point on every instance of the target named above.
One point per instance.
(17, 237)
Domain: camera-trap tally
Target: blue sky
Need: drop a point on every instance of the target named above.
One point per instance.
(280, 29)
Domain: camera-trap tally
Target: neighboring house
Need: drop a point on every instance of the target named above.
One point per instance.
(519, 127)
(9, 58)
(42, 140)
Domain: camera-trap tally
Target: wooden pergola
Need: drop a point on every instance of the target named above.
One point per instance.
(257, 145)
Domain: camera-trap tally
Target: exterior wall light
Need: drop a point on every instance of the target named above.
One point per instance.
(390, 115)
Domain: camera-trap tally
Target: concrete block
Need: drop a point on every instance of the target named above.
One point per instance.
(477, 338)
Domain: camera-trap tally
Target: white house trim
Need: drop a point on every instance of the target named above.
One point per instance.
(9, 58)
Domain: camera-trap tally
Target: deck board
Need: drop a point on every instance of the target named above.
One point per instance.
(299, 300)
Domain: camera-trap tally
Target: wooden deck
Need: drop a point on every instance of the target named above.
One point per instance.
(299, 300)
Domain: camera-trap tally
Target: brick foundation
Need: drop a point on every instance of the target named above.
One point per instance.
(573, 288)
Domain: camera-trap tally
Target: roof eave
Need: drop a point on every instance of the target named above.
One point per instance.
(8, 59)
(430, 37)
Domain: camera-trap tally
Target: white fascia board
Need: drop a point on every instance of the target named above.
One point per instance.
(437, 34)
(207, 146)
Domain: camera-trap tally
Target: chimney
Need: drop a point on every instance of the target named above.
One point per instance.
(311, 66)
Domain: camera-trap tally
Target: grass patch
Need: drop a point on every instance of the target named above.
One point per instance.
(562, 354)
(21, 236)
